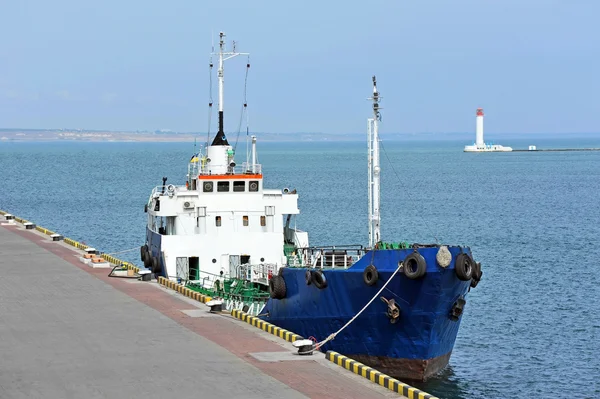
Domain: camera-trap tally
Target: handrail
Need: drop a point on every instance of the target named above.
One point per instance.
(245, 169)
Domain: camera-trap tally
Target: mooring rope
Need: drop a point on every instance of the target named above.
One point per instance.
(332, 336)
(122, 252)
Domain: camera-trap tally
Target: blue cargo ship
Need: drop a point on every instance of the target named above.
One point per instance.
(394, 306)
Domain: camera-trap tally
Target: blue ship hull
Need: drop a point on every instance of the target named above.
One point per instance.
(417, 346)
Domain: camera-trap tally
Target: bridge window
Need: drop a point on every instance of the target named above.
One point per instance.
(263, 220)
(239, 186)
(253, 186)
(223, 186)
(245, 220)
(218, 221)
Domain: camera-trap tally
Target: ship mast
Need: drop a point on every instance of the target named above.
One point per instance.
(224, 55)
(374, 170)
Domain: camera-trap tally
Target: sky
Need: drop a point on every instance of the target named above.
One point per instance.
(532, 65)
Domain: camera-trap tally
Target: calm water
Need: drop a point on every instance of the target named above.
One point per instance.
(531, 327)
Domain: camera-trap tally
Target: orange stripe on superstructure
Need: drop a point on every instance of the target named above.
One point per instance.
(220, 177)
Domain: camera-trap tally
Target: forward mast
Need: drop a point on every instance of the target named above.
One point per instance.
(220, 154)
(374, 170)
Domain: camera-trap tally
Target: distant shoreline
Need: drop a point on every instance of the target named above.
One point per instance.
(50, 135)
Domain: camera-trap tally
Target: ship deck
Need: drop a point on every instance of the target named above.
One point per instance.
(69, 330)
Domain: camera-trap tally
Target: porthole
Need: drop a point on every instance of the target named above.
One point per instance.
(262, 259)
(214, 260)
(208, 187)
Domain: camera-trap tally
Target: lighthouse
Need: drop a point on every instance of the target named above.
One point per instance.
(479, 128)
(480, 145)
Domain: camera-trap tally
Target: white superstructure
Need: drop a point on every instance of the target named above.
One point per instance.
(223, 221)
(479, 145)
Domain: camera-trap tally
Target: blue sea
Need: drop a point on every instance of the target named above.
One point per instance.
(531, 328)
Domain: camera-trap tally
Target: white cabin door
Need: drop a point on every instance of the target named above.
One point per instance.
(182, 269)
(234, 262)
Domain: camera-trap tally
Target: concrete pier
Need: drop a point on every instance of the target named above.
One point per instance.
(70, 331)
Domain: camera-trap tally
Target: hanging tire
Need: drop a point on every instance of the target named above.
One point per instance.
(464, 267)
(148, 260)
(319, 280)
(277, 288)
(370, 275)
(143, 250)
(155, 265)
(308, 277)
(414, 266)
(476, 275)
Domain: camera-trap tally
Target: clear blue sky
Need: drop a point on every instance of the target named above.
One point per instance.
(533, 65)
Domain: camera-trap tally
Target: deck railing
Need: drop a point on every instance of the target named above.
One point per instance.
(245, 169)
(342, 256)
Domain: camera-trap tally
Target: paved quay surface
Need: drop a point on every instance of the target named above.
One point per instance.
(70, 331)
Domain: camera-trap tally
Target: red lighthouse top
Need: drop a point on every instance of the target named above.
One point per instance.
(479, 111)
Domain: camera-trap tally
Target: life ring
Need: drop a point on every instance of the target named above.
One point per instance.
(464, 267)
(308, 277)
(414, 266)
(370, 275)
(319, 279)
(277, 289)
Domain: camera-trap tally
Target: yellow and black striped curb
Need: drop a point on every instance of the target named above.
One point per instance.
(45, 231)
(183, 290)
(265, 326)
(375, 376)
(75, 244)
(78, 245)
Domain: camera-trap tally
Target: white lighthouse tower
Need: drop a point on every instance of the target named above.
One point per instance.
(479, 145)
(479, 128)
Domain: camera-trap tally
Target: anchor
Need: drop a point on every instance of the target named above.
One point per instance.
(393, 311)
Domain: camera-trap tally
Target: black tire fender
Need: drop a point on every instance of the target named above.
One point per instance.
(148, 260)
(277, 289)
(370, 275)
(476, 274)
(308, 277)
(143, 250)
(463, 267)
(414, 266)
(155, 265)
(319, 279)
